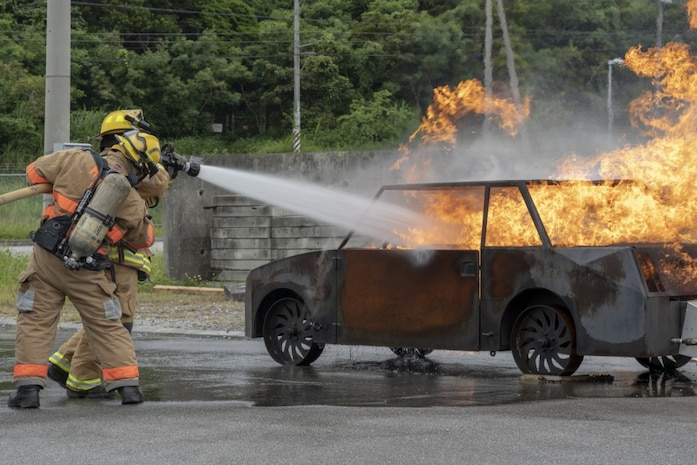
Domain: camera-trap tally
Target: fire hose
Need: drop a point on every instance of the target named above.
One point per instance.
(25, 192)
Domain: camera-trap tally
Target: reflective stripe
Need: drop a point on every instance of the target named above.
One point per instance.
(60, 361)
(133, 259)
(34, 177)
(151, 239)
(82, 384)
(115, 374)
(65, 203)
(114, 234)
(26, 370)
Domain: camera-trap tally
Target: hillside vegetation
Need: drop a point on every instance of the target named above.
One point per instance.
(368, 67)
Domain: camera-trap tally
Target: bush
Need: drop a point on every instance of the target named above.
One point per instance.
(376, 121)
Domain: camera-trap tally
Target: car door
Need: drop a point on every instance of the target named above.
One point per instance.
(408, 298)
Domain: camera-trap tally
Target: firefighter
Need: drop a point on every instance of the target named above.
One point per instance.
(83, 184)
(73, 365)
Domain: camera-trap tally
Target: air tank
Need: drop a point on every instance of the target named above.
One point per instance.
(98, 217)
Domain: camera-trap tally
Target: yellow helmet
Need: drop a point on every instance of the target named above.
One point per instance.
(139, 146)
(116, 122)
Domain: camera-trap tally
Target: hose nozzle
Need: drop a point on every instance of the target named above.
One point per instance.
(194, 169)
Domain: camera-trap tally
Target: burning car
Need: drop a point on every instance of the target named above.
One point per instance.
(495, 268)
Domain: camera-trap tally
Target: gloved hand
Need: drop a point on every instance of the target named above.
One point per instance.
(172, 161)
(179, 161)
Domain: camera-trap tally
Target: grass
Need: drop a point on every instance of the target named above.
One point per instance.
(178, 310)
(12, 264)
(19, 217)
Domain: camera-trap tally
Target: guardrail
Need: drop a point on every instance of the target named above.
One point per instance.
(12, 169)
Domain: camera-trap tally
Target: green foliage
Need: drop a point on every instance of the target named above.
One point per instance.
(20, 139)
(19, 217)
(375, 121)
(12, 264)
(204, 145)
(189, 64)
(85, 124)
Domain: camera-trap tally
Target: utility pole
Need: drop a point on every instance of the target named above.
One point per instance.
(57, 104)
(610, 112)
(659, 22)
(513, 76)
(488, 73)
(296, 76)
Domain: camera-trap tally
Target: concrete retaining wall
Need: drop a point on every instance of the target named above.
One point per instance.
(246, 234)
(214, 233)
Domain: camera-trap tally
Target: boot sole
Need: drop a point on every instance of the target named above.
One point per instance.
(72, 394)
(24, 404)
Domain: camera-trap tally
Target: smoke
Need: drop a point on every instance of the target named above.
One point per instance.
(421, 257)
(501, 157)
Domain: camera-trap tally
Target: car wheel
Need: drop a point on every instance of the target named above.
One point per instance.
(288, 333)
(410, 352)
(666, 363)
(543, 342)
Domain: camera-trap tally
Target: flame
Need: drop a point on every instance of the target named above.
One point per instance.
(692, 13)
(646, 193)
(451, 105)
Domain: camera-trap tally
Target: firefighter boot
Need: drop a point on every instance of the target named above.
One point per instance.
(95, 393)
(57, 374)
(25, 397)
(131, 395)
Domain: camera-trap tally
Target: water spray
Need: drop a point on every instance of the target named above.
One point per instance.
(372, 218)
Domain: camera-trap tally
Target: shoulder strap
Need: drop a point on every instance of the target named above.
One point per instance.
(104, 168)
(100, 162)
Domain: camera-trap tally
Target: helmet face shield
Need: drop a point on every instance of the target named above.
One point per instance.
(152, 147)
(140, 147)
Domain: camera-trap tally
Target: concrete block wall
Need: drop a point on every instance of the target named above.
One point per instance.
(209, 234)
(246, 234)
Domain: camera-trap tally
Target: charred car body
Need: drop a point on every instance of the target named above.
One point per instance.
(502, 277)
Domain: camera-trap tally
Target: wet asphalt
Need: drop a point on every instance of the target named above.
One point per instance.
(220, 398)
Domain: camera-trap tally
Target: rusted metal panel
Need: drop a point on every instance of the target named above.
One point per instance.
(311, 276)
(409, 298)
(669, 270)
(602, 287)
(688, 337)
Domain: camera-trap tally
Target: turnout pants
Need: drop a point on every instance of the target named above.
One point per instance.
(41, 296)
(75, 356)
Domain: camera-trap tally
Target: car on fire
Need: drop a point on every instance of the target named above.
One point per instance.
(498, 269)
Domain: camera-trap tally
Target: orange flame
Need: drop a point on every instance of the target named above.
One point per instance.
(650, 195)
(692, 13)
(451, 105)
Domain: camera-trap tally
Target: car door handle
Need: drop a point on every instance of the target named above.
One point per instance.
(468, 269)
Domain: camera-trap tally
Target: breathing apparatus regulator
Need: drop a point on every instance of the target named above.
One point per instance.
(141, 148)
(144, 150)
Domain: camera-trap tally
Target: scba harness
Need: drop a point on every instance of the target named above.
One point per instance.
(76, 239)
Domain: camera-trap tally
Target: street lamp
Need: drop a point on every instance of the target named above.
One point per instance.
(610, 114)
